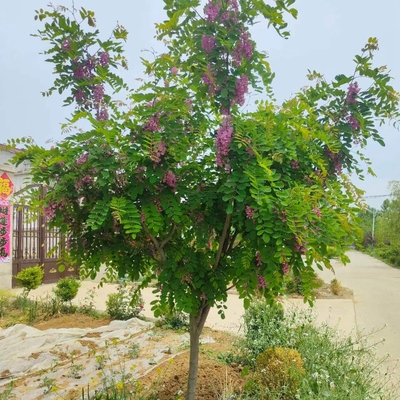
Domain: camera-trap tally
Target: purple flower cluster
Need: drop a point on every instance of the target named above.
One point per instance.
(335, 157)
(170, 179)
(244, 49)
(174, 70)
(285, 267)
(98, 93)
(152, 125)
(295, 164)
(262, 283)
(208, 43)
(317, 212)
(50, 210)
(82, 158)
(157, 152)
(66, 45)
(104, 59)
(299, 247)
(352, 92)
(258, 259)
(223, 140)
(80, 95)
(212, 10)
(242, 87)
(250, 212)
(353, 122)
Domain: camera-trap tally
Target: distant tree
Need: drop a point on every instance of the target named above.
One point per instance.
(182, 185)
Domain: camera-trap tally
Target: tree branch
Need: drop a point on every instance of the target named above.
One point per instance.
(222, 240)
(169, 237)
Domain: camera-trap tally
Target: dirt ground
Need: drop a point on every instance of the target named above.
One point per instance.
(168, 379)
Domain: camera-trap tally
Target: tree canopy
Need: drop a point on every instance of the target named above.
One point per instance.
(182, 185)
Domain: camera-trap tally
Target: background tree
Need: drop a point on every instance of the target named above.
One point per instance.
(181, 185)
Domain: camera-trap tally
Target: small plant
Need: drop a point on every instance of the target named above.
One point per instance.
(49, 385)
(67, 289)
(336, 287)
(124, 304)
(5, 297)
(280, 370)
(30, 278)
(133, 351)
(7, 393)
(88, 305)
(174, 320)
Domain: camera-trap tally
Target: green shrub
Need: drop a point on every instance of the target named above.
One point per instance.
(67, 289)
(124, 304)
(337, 367)
(336, 287)
(30, 278)
(280, 371)
(174, 320)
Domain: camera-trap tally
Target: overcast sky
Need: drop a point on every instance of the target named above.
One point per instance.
(326, 36)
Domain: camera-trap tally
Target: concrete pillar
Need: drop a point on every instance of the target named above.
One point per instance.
(6, 226)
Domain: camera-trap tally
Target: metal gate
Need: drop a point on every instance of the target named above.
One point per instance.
(34, 243)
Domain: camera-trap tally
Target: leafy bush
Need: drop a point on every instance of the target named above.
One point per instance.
(67, 289)
(336, 287)
(280, 371)
(124, 304)
(337, 367)
(174, 320)
(30, 278)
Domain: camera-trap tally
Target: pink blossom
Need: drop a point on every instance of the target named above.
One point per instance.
(152, 124)
(102, 114)
(212, 10)
(208, 43)
(353, 122)
(258, 259)
(262, 284)
(242, 84)
(158, 205)
(104, 59)
(285, 267)
(98, 93)
(295, 164)
(174, 70)
(170, 179)
(317, 212)
(66, 45)
(82, 158)
(223, 140)
(158, 152)
(79, 95)
(250, 212)
(142, 217)
(244, 49)
(352, 92)
(299, 247)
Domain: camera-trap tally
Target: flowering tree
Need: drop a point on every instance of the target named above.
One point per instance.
(180, 184)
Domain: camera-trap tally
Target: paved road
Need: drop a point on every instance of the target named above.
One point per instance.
(376, 289)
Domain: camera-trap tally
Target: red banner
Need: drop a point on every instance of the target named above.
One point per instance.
(5, 231)
(6, 186)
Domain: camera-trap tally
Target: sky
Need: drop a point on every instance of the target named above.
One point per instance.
(325, 38)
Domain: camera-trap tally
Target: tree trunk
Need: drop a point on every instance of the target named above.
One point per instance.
(196, 327)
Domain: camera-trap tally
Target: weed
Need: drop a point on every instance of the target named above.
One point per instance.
(49, 385)
(336, 287)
